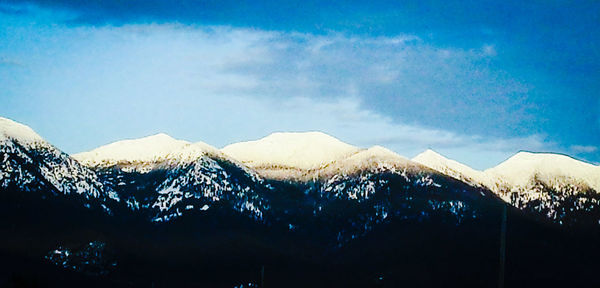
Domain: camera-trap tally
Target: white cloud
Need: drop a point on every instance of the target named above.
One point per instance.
(583, 149)
(6, 61)
(221, 85)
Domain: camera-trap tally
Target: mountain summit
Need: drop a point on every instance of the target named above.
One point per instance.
(520, 169)
(300, 150)
(451, 168)
(305, 156)
(12, 130)
(29, 163)
(145, 153)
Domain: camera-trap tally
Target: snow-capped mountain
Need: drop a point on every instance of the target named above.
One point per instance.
(11, 130)
(175, 202)
(145, 154)
(374, 186)
(375, 158)
(451, 168)
(29, 163)
(554, 185)
(520, 172)
(557, 186)
(208, 182)
(289, 153)
(308, 156)
(182, 177)
(551, 169)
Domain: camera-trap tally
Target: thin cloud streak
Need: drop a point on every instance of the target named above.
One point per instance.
(583, 149)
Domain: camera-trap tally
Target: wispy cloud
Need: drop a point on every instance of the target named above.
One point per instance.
(577, 149)
(6, 61)
(401, 76)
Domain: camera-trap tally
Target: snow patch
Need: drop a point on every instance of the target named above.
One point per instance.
(10, 129)
(451, 168)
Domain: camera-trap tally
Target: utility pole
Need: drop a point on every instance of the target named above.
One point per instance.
(262, 276)
(502, 248)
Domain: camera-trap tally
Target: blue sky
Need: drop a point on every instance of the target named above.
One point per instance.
(474, 80)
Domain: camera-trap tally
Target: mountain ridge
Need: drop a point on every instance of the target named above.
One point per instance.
(524, 180)
(517, 170)
(369, 203)
(147, 153)
(303, 150)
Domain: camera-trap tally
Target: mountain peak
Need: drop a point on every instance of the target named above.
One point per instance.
(316, 137)
(160, 136)
(434, 159)
(450, 167)
(375, 155)
(303, 150)
(10, 129)
(521, 167)
(153, 148)
(152, 143)
(381, 151)
(429, 154)
(160, 141)
(543, 160)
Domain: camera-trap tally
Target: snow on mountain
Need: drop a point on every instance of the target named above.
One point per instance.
(557, 171)
(310, 156)
(299, 150)
(145, 154)
(199, 175)
(356, 176)
(519, 171)
(196, 176)
(11, 130)
(556, 186)
(374, 158)
(451, 168)
(143, 149)
(206, 182)
(29, 163)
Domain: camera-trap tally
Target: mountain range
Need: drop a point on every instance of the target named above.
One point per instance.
(300, 203)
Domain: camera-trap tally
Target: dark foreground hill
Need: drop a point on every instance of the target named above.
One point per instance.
(415, 245)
